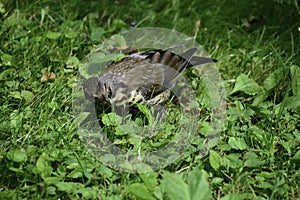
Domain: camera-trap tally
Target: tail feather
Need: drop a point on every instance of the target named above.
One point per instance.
(195, 60)
(189, 53)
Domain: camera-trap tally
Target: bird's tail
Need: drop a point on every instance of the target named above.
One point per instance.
(195, 60)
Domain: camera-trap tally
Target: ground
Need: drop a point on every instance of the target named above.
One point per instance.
(43, 46)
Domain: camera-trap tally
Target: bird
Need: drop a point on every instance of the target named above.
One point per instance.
(143, 77)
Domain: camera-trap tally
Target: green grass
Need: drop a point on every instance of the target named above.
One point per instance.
(257, 47)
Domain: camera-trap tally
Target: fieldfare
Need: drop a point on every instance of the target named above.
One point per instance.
(144, 77)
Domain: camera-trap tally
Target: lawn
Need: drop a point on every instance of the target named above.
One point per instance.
(45, 44)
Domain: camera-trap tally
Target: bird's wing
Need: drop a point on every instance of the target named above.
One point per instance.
(145, 74)
(140, 82)
(173, 64)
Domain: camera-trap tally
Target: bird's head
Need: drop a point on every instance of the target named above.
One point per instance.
(94, 89)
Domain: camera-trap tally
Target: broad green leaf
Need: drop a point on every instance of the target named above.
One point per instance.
(140, 191)
(129, 128)
(295, 72)
(275, 78)
(250, 155)
(260, 98)
(174, 187)
(53, 35)
(119, 57)
(7, 59)
(27, 95)
(17, 170)
(198, 185)
(257, 132)
(253, 163)
(51, 180)
(17, 155)
(100, 57)
(97, 33)
(265, 174)
(108, 158)
(72, 62)
(252, 160)
(6, 72)
(96, 57)
(111, 119)
(76, 173)
(105, 171)
(42, 166)
(80, 118)
(88, 70)
(12, 84)
(271, 82)
(15, 19)
(72, 164)
(215, 160)
(245, 84)
(16, 118)
(296, 158)
(159, 193)
(51, 190)
(117, 40)
(2, 9)
(116, 23)
(233, 160)
(217, 180)
(16, 94)
(205, 127)
(71, 34)
(69, 187)
(237, 143)
(26, 73)
(147, 174)
(292, 103)
(88, 193)
(97, 62)
(127, 166)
